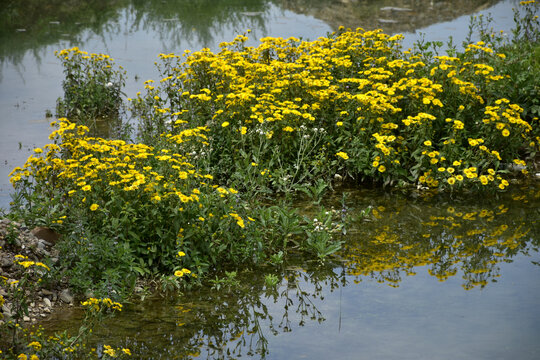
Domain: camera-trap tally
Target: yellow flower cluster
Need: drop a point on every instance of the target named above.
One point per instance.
(97, 305)
(24, 262)
(75, 52)
(97, 163)
(351, 85)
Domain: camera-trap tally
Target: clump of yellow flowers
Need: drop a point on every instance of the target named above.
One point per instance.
(353, 104)
(159, 187)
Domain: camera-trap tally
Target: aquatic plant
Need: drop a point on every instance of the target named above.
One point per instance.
(92, 87)
(288, 113)
(130, 209)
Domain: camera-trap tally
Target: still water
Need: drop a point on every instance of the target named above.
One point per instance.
(134, 32)
(421, 277)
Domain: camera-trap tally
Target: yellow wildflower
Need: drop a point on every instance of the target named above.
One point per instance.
(342, 155)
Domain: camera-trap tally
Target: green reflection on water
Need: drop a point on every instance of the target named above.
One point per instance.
(441, 235)
(464, 236)
(33, 24)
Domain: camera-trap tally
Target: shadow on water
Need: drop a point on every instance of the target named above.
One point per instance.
(438, 267)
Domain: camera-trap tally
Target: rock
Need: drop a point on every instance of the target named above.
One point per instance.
(47, 302)
(46, 234)
(66, 296)
(392, 8)
(42, 252)
(46, 292)
(388, 21)
(6, 261)
(6, 310)
(26, 318)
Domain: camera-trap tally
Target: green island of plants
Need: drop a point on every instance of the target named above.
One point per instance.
(225, 140)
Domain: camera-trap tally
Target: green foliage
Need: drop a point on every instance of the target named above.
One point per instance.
(18, 293)
(92, 88)
(219, 132)
(129, 210)
(321, 236)
(229, 281)
(32, 344)
(271, 280)
(19, 342)
(277, 258)
(316, 191)
(291, 115)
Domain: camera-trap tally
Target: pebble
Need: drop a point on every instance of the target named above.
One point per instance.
(66, 296)
(47, 302)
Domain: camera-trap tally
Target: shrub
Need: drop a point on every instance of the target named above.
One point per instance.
(288, 113)
(129, 209)
(92, 88)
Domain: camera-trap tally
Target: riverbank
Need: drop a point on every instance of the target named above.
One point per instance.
(37, 245)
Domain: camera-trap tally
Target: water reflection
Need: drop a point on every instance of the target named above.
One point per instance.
(393, 16)
(197, 22)
(448, 238)
(32, 27)
(437, 238)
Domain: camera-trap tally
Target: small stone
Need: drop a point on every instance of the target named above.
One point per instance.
(6, 262)
(6, 310)
(66, 296)
(46, 292)
(42, 252)
(26, 318)
(47, 302)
